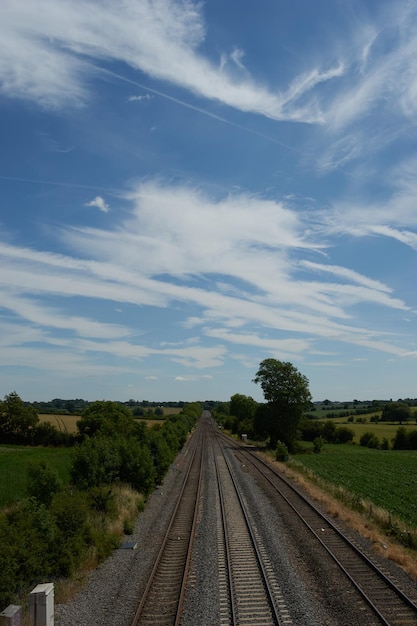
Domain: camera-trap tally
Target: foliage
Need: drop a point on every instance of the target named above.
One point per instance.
(17, 420)
(318, 444)
(160, 451)
(41, 542)
(60, 526)
(287, 394)
(106, 417)
(344, 435)
(281, 452)
(396, 412)
(43, 482)
(405, 440)
(240, 419)
(96, 462)
(370, 440)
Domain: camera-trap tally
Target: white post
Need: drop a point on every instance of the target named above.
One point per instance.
(41, 605)
(11, 616)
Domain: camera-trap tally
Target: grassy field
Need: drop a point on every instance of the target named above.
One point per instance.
(380, 429)
(386, 478)
(14, 461)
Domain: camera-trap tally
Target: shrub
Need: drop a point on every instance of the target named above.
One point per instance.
(369, 440)
(43, 482)
(318, 444)
(400, 441)
(281, 452)
(344, 435)
(102, 500)
(127, 527)
(96, 462)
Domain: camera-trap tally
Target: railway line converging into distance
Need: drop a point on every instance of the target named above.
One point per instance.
(242, 545)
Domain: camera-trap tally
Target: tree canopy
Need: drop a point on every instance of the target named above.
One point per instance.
(396, 412)
(17, 421)
(109, 418)
(287, 394)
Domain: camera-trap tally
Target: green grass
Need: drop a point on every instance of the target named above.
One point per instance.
(386, 478)
(380, 429)
(14, 461)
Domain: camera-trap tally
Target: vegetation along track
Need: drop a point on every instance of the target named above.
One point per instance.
(391, 606)
(162, 600)
(249, 593)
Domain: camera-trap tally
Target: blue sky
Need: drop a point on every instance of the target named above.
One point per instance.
(189, 188)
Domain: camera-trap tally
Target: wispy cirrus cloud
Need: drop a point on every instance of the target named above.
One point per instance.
(48, 49)
(170, 252)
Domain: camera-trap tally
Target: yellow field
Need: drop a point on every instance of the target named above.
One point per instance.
(68, 423)
(64, 423)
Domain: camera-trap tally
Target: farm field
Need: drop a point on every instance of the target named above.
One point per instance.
(14, 461)
(387, 478)
(63, 423)
(380, 429)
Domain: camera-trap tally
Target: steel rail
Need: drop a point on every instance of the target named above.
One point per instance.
(174, 617)
(231, 594)
(267, 587)
(249, 454)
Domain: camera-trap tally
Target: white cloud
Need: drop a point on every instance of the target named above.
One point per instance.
(139, 98)
(99, 202)
(47, 48)
(171, 251)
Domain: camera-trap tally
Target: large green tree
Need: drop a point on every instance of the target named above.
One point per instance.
(287, 396)
(242, 409)
(396, 412)
(106, 417)
(17, 420)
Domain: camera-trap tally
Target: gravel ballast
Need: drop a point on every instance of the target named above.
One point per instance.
(315, 592)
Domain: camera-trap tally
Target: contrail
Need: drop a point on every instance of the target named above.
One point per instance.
(218, 118)
(18, 179)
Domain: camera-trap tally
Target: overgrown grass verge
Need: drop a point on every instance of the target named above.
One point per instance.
(62, 542)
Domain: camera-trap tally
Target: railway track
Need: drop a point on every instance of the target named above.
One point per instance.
(162, 600)
(248, 586)
(382, 595)
(249, 592)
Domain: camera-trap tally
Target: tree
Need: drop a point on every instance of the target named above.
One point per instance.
(396, 412)
(287, 394)
(43, 482)
(243, 408)
(106, 417)
(17, 420)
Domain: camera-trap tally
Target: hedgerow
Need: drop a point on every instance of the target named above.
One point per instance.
(55, 530)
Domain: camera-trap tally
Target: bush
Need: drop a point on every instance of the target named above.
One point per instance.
(281, 452)
(318, 444)
(344, 435)
(96, 462)
(43, 482)
(369, 440)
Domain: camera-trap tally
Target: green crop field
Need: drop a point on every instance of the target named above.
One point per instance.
(14, 461)
(387, 478)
